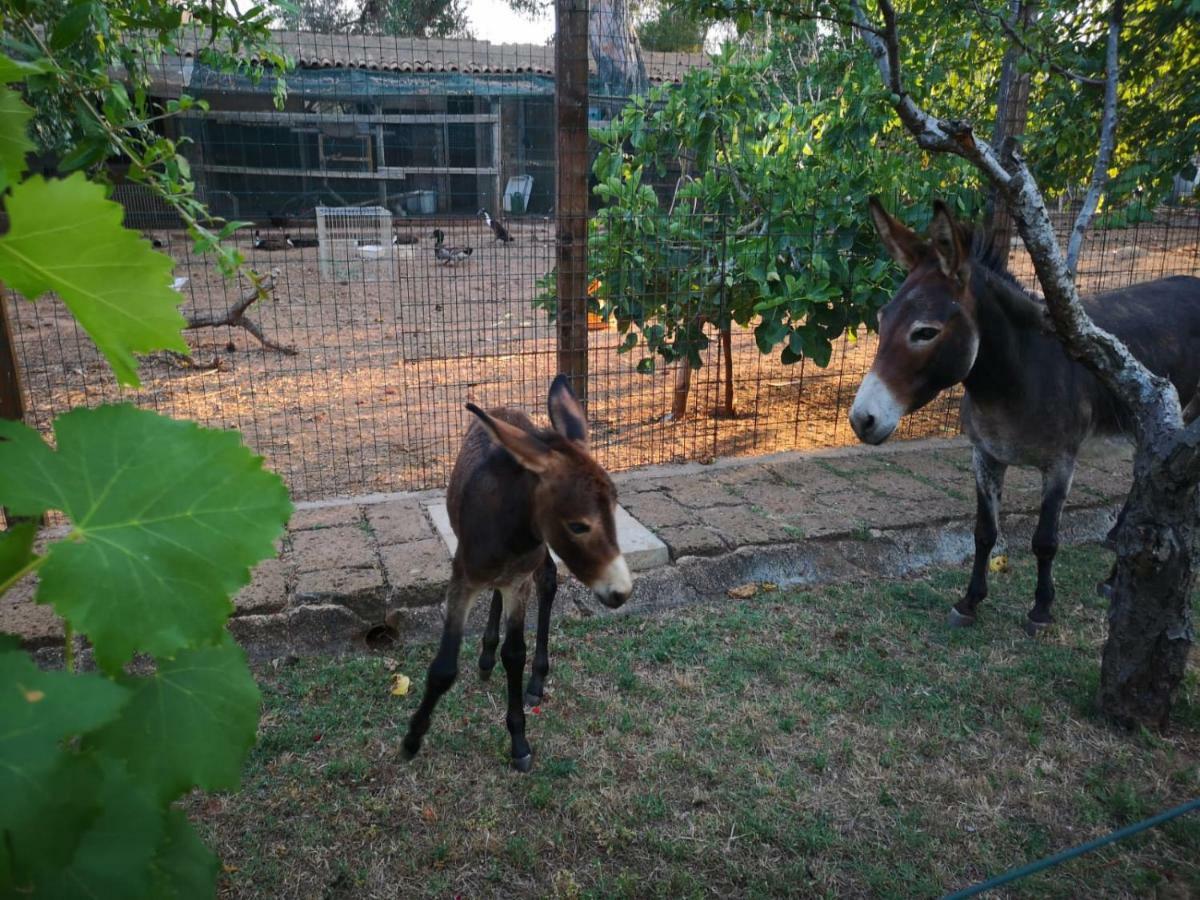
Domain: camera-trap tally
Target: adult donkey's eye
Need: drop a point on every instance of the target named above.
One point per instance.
(924, 334)
(579, 527)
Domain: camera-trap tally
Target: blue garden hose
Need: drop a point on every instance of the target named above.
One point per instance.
(1049, 861)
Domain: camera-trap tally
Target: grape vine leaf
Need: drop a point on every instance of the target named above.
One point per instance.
(14, 136)
(168, 518)
(114, 855)
(44, 787)
(186, 868)
(16, 550)
(188, 725)
(65, 236)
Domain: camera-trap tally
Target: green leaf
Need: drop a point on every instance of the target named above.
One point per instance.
(14, 136)
(186, 868)
(71, 26)
(114, 854)
(168, 519)
(190, 724)
(16, 551)
(17, 70)
(64, 236)
(37, 710)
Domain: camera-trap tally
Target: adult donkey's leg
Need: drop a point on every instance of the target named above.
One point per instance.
(547, 587)
(491, 637)
(1056, 483)
(516, 598)
(989, 480)
(444, 668)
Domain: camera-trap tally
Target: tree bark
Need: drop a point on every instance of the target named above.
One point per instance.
(1012, 115)
(1108, 140)
(1150, 629)
(620, 70)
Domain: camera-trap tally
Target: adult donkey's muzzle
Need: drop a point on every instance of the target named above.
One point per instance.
(875, 412)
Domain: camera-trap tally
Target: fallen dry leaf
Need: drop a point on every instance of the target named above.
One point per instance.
(998, 563)
(743, 591)
(400, 684)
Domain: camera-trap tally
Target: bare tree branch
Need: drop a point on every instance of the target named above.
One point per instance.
(236, 317)
(1015, 36)
(1108, 132)
(1152, 400)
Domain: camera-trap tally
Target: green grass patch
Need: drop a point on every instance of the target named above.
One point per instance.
(840, 741)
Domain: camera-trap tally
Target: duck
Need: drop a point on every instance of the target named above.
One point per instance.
(497, 227)
(449, 255)
(302, 242)
(400, 240)
(262, 243)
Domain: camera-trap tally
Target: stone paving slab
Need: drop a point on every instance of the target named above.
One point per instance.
(368, 571)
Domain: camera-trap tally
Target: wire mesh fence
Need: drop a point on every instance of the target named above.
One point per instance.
(352, 377)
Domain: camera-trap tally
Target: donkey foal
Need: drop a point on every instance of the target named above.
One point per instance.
(515, 492)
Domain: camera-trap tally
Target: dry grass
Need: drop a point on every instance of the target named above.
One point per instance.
(374, 400)
(839, 742)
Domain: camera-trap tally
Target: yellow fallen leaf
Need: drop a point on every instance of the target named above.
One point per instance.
(400, 684)
(769, 587)
(998, 563)
(743, 591)
(34, 696)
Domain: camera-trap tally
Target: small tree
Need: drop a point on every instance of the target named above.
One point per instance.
(723, 203)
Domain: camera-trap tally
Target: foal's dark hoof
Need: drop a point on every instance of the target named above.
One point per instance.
(959, 620)
(523, 764)
(485, 672)
(1033, 628)
(407, 753)
(533, 699)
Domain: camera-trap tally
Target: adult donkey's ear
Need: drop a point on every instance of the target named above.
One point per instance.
(900, 240)
(527, 450)
(948, 244)
(566, 413)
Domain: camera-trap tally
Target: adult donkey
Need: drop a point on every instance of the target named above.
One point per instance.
(960, 318)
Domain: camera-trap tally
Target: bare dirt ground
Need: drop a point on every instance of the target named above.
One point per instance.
(373, 400)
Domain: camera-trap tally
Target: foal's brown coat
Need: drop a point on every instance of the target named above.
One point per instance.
(515, 492)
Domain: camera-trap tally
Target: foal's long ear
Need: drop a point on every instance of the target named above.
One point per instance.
(900, 240)
(527, 450)
(566, 414)
(948, 244)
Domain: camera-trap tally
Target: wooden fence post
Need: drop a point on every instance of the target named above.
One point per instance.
(12, 404)
(571, 195)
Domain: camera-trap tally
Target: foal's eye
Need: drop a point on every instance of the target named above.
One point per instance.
(923, 335)
(579, 527)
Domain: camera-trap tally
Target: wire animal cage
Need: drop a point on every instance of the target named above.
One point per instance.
(355, 243)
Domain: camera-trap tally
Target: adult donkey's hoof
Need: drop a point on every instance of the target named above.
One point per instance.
(959, 620)
(1033, 628)
(486, 673)
(523, 764)
(532, 700)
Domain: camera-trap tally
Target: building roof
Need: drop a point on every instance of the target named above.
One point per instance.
(429, 55)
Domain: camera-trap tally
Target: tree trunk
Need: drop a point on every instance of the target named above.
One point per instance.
(1150, 629)
(1012, 115)
(727, 350)
(620, 71)
(683, 387)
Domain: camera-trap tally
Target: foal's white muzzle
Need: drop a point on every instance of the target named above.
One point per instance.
(876, 412)
(615, 584)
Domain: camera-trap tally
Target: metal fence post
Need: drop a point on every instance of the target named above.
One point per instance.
(571, 195)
